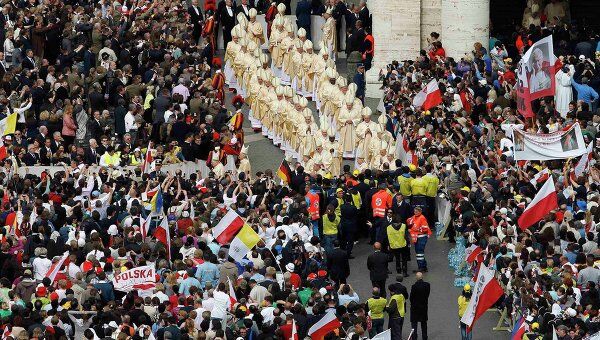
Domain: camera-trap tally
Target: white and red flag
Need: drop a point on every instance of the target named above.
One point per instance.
(486, 293)
(430, 96)
(327, 324)
(147, 162)
(540, 177)
(544, 201)
(163, 235)
(55, 267)
(584, 163)
(472, 253)
(227, 227)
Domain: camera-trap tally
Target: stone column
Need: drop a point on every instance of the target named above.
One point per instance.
(464, 22)
(397, 34)
(431, 19)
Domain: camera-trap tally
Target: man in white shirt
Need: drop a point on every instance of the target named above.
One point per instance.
(182, 90)
(41, 264)
(130, 125)
(222, 303)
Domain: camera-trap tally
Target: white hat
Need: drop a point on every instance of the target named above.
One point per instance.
(382, 119)
(281, 7)
(185, 214)
(366, 111)
(341, 82)
(301, 32)
(252, 12)
(308, 45)
(244, 149)
(503, 211)
(112, 230)
(290, 267)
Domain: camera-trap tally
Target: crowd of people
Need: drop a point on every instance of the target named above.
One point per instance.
(550, 271)
(106, 95)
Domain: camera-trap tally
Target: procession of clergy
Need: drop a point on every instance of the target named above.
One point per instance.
(278, 88)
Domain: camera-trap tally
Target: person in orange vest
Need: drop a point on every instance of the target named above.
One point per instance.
(419, 232)
(380, 203)
(369, 48)
(313, 207)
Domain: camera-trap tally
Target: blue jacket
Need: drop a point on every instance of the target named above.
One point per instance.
(303, 14)
(106, 290)
(584, 92)
(359, 80)
(207, 272)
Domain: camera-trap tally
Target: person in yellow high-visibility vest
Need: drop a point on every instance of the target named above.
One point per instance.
(433, 182)
(110, 158)
(396, 311)
(418, 188)
(398, 239)
(404, 181)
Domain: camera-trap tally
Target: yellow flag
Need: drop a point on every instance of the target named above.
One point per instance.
(248, 236)
(8, 125)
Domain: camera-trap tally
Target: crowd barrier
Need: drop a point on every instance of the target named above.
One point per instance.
(187, 168)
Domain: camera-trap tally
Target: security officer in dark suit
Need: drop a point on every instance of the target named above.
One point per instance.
(419, 300)
(377, 263)
(303, 16)
(337, 264)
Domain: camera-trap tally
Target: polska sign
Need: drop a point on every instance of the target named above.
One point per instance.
(135, 278)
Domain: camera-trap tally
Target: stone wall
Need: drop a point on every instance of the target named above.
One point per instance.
(431, 19)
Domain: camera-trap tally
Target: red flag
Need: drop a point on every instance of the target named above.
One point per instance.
(430, 96)
(327, 324)
(544, 201)
(162, 234)
(486, 293)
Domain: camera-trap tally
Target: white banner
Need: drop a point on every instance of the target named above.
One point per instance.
(139, 278)
(542, 147)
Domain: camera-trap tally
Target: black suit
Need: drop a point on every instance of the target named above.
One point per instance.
(338, 265)
(241, 9)
(196, 20)
(28, 63)
(365, 17)
(419, 298)
(90, 157)
(227, 22)
(94, 129)
(377, 263)
(31, 159)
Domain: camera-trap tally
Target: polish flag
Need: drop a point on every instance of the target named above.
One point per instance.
(404, 153)
(147, 162)
(472, 253)
(519, 329)
(540, 177)
(327, 324)
(232, 297)
(227, 227)
(145, 225)
(486, 293)
(544, 201)
(55, 267)
(430, 96)
(162, 234)
(584, 163)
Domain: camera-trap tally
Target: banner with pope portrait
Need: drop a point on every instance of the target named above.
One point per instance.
(535, 75)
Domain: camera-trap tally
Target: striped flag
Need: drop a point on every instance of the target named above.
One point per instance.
(147, 162)
(163, 235)
(284, 172)
(519, 329)
(232, 296)
(227, 227)
(55, 267)
(486, 293)
(328, 323)
(294, 330)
